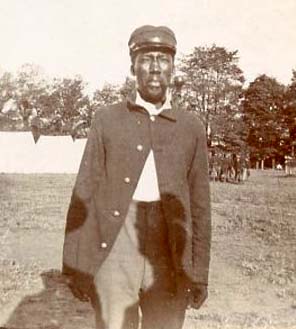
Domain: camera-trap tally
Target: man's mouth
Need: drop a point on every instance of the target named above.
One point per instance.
(154, 83)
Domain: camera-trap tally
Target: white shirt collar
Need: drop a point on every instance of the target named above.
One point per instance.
(150, 108)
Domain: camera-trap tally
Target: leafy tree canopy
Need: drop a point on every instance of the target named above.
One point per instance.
(213, 89)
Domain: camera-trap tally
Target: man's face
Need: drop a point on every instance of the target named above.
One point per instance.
(153, 71)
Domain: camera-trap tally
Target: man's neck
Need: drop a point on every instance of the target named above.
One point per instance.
(153, 108)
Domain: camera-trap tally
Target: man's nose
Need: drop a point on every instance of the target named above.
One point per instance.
(155, 67)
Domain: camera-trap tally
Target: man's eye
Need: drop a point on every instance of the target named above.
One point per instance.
(145, 59)
(164, 59)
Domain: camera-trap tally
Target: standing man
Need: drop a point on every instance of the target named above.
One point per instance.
(138, 228)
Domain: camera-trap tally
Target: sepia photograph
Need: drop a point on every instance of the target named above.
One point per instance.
(148, 164)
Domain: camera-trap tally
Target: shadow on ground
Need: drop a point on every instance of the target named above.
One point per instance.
(53, 308)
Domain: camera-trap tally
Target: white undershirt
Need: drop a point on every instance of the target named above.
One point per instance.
(147, 188)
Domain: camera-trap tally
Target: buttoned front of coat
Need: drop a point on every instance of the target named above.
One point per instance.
(120, 139)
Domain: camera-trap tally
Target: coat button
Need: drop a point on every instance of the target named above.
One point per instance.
(127, 180)
(140, 147)
(138, 122)
(116, 213)
(152, 118)
(104, 245)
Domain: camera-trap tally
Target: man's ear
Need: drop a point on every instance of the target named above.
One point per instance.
(132, 69)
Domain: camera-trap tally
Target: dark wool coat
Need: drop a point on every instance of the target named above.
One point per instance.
(119, 142)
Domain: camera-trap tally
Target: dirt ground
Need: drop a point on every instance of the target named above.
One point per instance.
(253, 266)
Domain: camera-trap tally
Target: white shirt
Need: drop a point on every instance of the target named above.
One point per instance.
(147, 188)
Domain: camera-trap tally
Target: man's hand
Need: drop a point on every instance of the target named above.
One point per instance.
(199, 293)
(78, 293)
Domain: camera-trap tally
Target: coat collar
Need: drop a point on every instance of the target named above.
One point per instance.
(169, 113)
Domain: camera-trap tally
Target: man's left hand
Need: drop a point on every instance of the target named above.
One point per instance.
(199, 294)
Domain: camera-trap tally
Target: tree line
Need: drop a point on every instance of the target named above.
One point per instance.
(258, 119)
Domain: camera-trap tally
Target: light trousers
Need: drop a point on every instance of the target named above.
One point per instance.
(137, 286)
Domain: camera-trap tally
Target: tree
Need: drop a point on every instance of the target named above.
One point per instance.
(289, 116)
(21, 93)
(108, 95)
(7, 92)
(262, 106)
(127, 87)
(65, 103)
(213, 89)
(7, 88)
(30, 87)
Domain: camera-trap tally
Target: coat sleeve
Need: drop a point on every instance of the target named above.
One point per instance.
(87, 181)
(200, 208)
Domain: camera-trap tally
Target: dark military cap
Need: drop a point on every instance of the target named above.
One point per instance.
(150, 37)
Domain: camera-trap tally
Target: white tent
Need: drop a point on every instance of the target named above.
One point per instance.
(51, 154)
(54, 154)
(78, 147)
(17, 152)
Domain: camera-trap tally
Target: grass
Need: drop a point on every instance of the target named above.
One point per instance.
(263, 211)
(253, 267)
(34, 201)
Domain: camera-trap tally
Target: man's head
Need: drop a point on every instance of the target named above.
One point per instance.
(152, 51)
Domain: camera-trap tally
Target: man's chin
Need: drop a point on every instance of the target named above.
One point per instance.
(154, 97)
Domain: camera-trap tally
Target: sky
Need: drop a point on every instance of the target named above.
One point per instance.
(89, 37)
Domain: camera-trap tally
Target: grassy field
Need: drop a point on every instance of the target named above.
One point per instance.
(253, 266)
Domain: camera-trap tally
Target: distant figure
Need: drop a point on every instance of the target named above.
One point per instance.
(226, 169)
(245, 168)
(237, 166)
(213, 167)
(138, 228)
